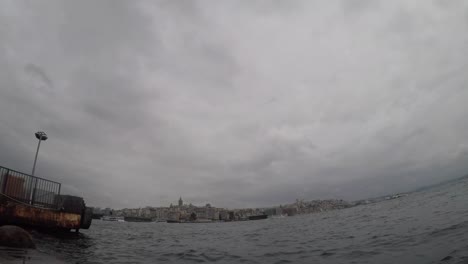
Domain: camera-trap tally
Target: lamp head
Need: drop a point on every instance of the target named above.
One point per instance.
(41, 135)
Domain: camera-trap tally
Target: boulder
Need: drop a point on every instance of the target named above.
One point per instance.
(13, 236)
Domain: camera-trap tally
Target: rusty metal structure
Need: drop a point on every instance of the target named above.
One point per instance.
(34, 201)
(29, 189)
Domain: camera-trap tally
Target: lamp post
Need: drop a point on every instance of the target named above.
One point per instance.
(41, 136)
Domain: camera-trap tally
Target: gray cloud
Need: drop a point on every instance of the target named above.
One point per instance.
(234, 103)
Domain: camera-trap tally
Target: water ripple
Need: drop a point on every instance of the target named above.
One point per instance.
(424, 227)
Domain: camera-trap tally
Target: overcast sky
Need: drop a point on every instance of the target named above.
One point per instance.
(236, 103)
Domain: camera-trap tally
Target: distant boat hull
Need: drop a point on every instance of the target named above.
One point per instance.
(113, 219)
(258, 217)
(137, 219)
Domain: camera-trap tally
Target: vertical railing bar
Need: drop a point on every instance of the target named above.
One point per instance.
(37, 191)
(5, 180)
(28, 198)
(46, 197)
(43, 183)
(10, 180)
(29, 184)
(24, 181)
(18, 187)
(25, 191)
(9, 186)
(48, 188)
(21, 187)
(13, 187)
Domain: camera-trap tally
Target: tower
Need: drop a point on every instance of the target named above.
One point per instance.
(181, 202)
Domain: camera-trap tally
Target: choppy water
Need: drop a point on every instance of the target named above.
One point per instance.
(425, 227)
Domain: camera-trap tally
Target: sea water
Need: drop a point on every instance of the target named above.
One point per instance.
(429, 226)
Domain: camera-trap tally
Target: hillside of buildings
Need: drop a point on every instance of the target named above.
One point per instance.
(190, 212)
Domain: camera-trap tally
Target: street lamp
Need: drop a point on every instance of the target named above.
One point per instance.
(41, 136)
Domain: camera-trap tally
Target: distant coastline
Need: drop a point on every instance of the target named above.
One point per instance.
(189, 212)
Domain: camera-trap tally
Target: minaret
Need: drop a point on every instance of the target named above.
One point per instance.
(181, 202)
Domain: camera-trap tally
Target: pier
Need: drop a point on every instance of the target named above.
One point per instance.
(31, 201)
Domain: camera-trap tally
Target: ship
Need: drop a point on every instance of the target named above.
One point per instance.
(112, 218)
(258, 217)
(137, 219)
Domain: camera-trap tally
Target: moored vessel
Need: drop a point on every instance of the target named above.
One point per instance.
(137, 219)
(112, 218)
(258, 217)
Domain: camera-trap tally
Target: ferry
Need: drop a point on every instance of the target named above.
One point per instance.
(258, 217)
(113, 218)
(137, 219)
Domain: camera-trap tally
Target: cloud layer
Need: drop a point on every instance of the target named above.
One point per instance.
(236, 103)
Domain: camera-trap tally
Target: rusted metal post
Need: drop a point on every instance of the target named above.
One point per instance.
(5, 180)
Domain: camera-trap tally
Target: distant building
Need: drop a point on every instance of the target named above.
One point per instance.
(290, 211)
(107, 211)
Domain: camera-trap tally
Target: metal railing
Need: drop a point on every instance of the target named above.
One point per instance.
(28, 189)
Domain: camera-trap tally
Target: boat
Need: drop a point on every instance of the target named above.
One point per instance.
(137, 219)
(258, 217)
(112, 218)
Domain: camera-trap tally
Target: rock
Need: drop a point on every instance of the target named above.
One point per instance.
(13, 236)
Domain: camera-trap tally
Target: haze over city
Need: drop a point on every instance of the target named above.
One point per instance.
(234, 103)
